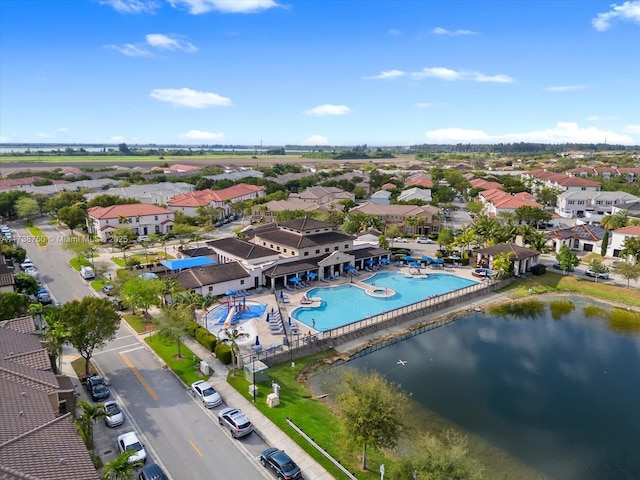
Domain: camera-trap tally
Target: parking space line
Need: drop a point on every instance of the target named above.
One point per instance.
(139, 347)
(193, 445)
(119, 348)
(135, 371)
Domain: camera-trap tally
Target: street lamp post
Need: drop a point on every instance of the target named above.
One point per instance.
(253, 373)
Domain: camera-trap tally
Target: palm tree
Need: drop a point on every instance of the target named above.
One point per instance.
(615, 220)
(231, 335)
(171, 285)
(36, 310)
(85, 421)
(120, 468)
(55, 335)
(464, 240)
(485, 228)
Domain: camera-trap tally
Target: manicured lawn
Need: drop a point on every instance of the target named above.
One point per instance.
(185, 367)
(98, 283)
(79, 262)
(119, 261)
(78, 367)
(142, 258)
(40, 237)
(117, 159)
(556, 282)
(312, 415)
(138, 323)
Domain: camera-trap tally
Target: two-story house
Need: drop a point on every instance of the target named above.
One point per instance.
(412, 219)
(142, 218)
(188, 203)
(592, 205)
(618, 237)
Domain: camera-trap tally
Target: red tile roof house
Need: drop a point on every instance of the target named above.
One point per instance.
(421, 180)
(178, 168)
(618, 237)
(188, 203)
(482, 184)
(142, 218)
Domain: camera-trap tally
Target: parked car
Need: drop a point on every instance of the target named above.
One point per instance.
(108, 289)
(32, 271)
(281, 463)
(43, 296)
(142, 238)
(115, 415)
(557, 266)
(236, 421)
(118, 304)
(424, 240)
(152, 472)
(96, 388)
(206, 393)
(27, 264)
(87, 273)
(590, 273)
(129, 442)
(400, 240)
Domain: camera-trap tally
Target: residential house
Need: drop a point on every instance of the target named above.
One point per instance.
(618, 237)
(7, 280)
(268, 212)
(496, 201)
(523, 258)
(38, 438)
(188, 203)
(421, 180)
(632, 209)
(215, 279)
(560, 181)
(415, 193)
(583, 238)
(325, 196)
(630, 174)
(412, 219)
(591, 205)
(234, 176)
(157, 193)
(142, 218)
(481, 184)
(381, 197)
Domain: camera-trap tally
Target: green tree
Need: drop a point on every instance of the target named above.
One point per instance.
(121, 468)
(567, 259)
(485, 228)
(383, 242)
(142, 293)
(73, 216)
(474, 207)
(532, 215)
(63, 199)
(231, 336)
(12, 305)
(8, 202)
(628, 271)
(55, 335)
(36, 310)
(503, 263)
(445, 237)
(173, 323)
(597, 267)
(122, 238)
(434, 458)
(373, 411)
(108, 199)
(26, 284)
(86, 420)
(90, 323)
(615, 220)
(605, 243)
(548, 196)
(27, 207)
(631, 248)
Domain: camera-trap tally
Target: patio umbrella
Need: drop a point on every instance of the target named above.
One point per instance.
(414, 264)
(384, 260)
(369, 262)
(407, 257)
(349, 267)
(312, 275)
(438, 260)
(289, 320)
(427, 259)
(268, 317)
(231, 293)
(281, 296)
(257, 340)
(295, 279)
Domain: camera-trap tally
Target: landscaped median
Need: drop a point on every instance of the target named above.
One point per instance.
(186, 366)
(78, 262)
(40, 237)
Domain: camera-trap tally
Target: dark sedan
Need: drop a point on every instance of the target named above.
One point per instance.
(96, 388)
(281, 464)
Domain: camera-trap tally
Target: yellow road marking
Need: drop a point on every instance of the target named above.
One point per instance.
(196, 448)
(139, 377)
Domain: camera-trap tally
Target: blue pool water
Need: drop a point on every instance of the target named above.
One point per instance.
(217, 315)
(348, 303)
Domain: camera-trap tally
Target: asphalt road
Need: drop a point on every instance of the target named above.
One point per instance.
(178, 432)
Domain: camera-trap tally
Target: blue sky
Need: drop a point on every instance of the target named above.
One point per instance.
(325, 72)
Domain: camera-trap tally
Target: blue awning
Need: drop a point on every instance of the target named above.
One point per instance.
(187, 263)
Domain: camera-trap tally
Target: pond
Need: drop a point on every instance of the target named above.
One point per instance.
(554, 383)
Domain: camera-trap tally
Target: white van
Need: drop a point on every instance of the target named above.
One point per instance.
(87, 273)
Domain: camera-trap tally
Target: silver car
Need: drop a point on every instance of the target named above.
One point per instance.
(236, 421)
(115, 415)
(206, 393)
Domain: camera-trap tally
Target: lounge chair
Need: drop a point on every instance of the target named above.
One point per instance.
(367, 269)
(288, 288)
(324, 280)
(336, 276)
(276, 330)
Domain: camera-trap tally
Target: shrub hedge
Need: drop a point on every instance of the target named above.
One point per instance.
(206, 339)
(223, 353)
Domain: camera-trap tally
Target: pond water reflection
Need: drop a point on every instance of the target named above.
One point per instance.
(555, 384)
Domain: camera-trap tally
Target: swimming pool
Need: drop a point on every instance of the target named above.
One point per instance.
(349, 303)
(217, 315)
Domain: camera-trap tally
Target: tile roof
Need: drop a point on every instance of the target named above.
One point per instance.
(630, 230)
(517, 250)
(371, 208)
(198, 252)
(201, 198)
(583, 232)
(420, 180)
(211, 274)
(20, 324)
(130, 210)
(298, 241)
(305, 224)
(240, 248)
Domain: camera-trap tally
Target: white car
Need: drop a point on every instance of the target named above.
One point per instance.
(424, 240)
(400, 240)
(26, 264)
(32, 271)
(129, 442)
(114, 416)
(206, 393)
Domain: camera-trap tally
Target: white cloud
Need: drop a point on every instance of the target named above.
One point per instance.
(157, 41)
(116, 139)
(452, 33)
(185, 97)
(198, 7)
(628, 11)
(62, 130)
(201, 135)
(45, 135)
(633, 129)
(395, 32)
(316, 140)
(438, 72)
(328, 109)
(564, 88)
(132, 6)
(480, 77)
(131, 49)
(169, 42)
(563, 132)
(387, 75)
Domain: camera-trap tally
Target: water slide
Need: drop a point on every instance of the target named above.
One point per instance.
(230, 315)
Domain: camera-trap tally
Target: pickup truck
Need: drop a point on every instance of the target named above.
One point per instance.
(96, 388)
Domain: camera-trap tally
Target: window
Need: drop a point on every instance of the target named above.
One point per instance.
(326, 250)
(346, 247)
(156, 217)
(241, 282)
(284, 250)
(317, 251)
(336, 248)
(306, 254)
(211, 289)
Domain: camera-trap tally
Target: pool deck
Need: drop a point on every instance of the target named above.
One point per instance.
(260, 327)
